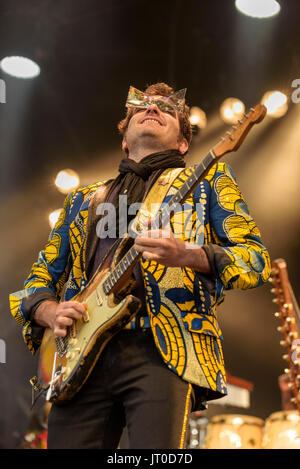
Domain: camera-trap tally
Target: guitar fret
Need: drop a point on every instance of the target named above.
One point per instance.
(114, 275)
(133, 253)
(177, 197)
(120, 269)
(193, 177)
(109, 281)
(188, 184)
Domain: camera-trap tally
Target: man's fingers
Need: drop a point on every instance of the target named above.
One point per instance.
(69, 313)
(66, 314)
(80, 307)
(151, 256)
(157, 250)
(153, 236)
(64, 321)
(60, 332)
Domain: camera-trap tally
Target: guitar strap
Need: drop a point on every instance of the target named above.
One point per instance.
(156, 195)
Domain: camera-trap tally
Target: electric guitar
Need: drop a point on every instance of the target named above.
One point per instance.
(288, 313)
(65, 363)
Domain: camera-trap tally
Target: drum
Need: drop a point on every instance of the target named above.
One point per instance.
(282, 430)
(234, 432)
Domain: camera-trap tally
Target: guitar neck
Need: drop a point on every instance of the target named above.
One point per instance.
(161, 218)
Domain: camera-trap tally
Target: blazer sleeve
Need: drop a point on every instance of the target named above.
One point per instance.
(237, 255)
(45, 280)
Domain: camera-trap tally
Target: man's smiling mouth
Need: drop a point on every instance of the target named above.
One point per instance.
(149, 119)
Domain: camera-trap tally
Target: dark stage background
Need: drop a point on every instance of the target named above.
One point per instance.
(90, 52)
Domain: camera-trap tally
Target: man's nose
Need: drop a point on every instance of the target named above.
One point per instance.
(153, 108)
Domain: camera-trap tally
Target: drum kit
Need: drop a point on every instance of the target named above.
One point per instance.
(281, 430)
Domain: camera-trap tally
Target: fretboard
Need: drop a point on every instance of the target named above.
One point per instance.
(163, 215)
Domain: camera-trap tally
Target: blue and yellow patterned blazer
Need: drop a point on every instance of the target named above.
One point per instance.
(181, 302)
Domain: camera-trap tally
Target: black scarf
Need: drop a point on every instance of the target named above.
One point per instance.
(133, 177)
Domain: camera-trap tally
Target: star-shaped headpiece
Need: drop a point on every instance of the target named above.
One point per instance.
(141, 100)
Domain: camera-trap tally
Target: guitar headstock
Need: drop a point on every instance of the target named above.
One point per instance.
(235, 137)
(286, 313)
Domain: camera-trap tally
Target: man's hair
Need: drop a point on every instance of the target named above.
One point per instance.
(162, 89)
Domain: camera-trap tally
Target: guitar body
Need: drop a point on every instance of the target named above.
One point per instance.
(70, 360)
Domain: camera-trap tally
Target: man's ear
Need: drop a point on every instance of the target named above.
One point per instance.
(124, 145)
(183, 146)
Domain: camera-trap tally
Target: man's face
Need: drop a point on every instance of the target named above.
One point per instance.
(156, 128)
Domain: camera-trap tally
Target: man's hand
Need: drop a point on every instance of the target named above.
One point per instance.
(59, 316)
(163, 247)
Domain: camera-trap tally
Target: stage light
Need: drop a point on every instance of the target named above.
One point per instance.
(20, 67)
(66, 181)
(53, 217)
(231, 110)
(198, 117)
(258, 8)
(276, 103)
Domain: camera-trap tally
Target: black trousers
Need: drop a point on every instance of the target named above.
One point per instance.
(130, 385)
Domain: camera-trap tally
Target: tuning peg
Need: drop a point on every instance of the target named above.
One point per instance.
(229, 135)
(283, 343)
(252, 109)
(289, 320)
(287, 371)
(246, 116)
(273, 290)
(285, 357)
(277, 315)
(275, 300)
(280, 328)
(270, 279)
